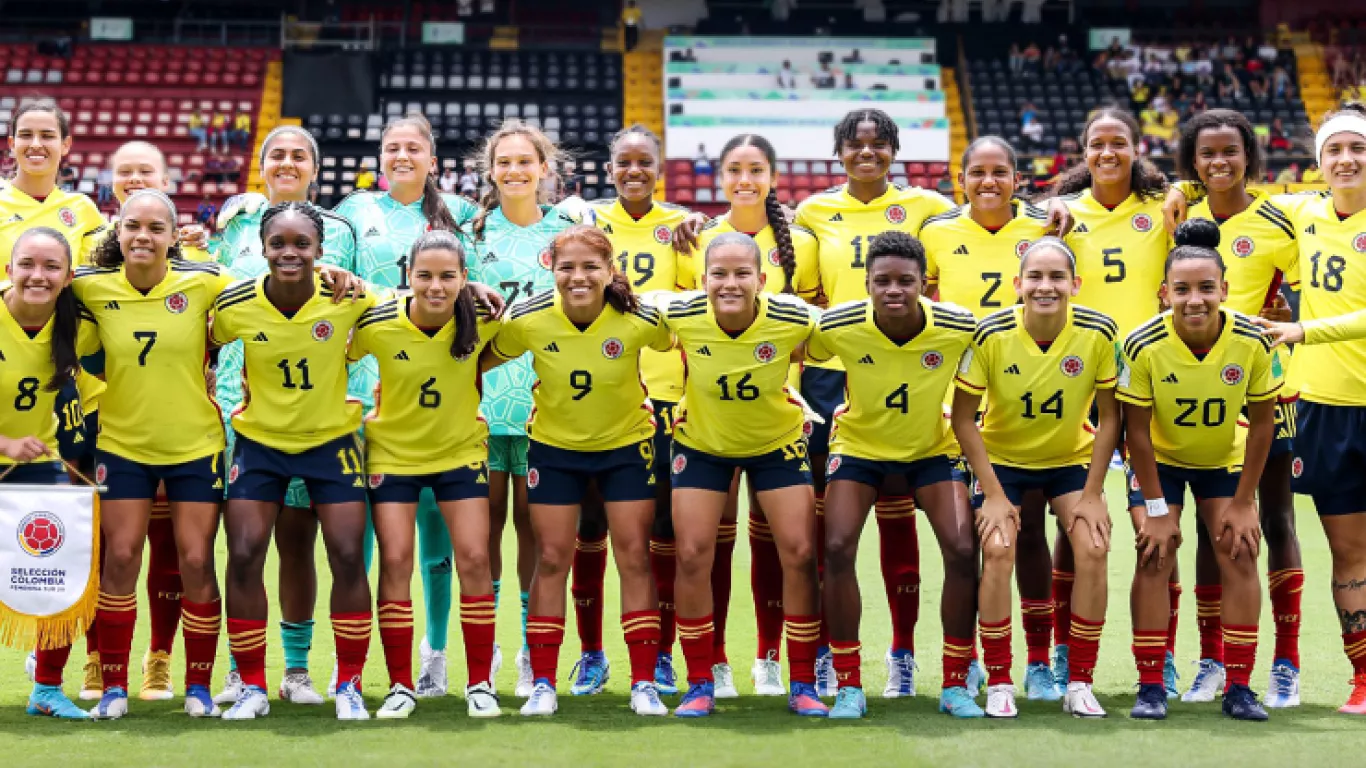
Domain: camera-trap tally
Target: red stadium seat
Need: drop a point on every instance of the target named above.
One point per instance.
(915, 169)
(800, 181)
(683, 196)
(703, 181)
(820, 182)
(802, 194)
(938, 169)
(681, 182)
(680, 167)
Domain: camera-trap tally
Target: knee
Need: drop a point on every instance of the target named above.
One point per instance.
(797, 555)
(1089, 558)
(690, 557)
(348, 563)
(396, 562)
(472, 561)
(960, 555)
(997, 557)
(840, 553)
(632, 555)
(554, 557)
(198, 561)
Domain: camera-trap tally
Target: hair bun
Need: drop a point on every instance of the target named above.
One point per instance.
(1202, 233)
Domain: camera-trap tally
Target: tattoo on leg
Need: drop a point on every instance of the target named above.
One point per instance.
(1352, 621)
(1353, 584)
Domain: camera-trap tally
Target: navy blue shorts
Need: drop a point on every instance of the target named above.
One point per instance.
(783, 468)
(197, 481)
(1284, 442)
(1330, 457)
(76, 430)
(333, 472)
(1016, 482)
(1204, 484)
(918, 474)
(35, 473)
(560, 476)
(469, 482)
(823, 390)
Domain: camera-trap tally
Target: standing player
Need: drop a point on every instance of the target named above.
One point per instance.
(1041, 365)
(591, 424)
(900, 350)
(1187, 374)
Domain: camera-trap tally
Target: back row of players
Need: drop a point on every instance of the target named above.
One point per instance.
(589, 464)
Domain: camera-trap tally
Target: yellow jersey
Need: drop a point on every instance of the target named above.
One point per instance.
(426, 416)
(645, 254)
(1195, 400)
(974, 267)
(1121, 255)
(27, 406)
(1039, 399)
(71, 213)
(1255, 244)
(889, 383)
(806, 278)
(589, 396)
(735, 399)
(157, 409)
(295, 372)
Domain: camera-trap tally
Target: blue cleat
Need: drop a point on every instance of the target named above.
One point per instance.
(699, 701)
(665, 681)
(1151, 704)
(112, 706)
(1062, 673)
(900, 674)
(591, 674)
(49, 701)
(850, 704)
(1040, 684)
(976, 681)
(199, 702)
(958, 702)
(1169, 676)
(1240, 703)
(1285, 685)
(804, 701)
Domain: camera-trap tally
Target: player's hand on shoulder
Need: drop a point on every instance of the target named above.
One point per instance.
(490, 298)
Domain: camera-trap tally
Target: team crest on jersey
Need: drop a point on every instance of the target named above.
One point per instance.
(976, 487)
(774, 259)
(67, 216)
(612, 348)
(1072, 366)
(765, 352)
(1359, 243)
(1232, 374)
(1020, 248)
(1133, 483)
(1243, 247)
(1297, 467)
(533, 477)
(896, 214)
(663, 235)
(322, 330)
(177, 303)
(545, 258)
(680, 463)
(1142, 222)
(832, 465)
(234, 473)
(101, 474)
(376, 481)
(807, 428)
(931, 360)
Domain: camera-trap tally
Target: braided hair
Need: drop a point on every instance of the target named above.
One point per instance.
(307, 210)
(777, 219)
(466, 319)
(847, 129)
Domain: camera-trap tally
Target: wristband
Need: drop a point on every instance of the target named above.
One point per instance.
(1156, 507)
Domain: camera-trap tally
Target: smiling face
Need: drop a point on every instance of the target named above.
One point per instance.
(1220, 158)
(635, 166)
(291, 246)
(894, 285)
(1344, 161)
(437, 277)
(1109, 152)
(138, 165)
(37, 143)
(733, 278)
(288, 166)
(581, 275)
(146, 231)
(517, 168)
(406, 157)
(1194, 289)
(1046, 282)
(867, 157)
(989, 177)
(746, 176)
(39, 268)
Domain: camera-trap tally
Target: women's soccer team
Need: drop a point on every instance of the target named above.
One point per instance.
(412, 367)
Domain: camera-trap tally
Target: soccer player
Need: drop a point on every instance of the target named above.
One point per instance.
(900, 350)
(972, 252)
(591, 424)
(426, 434)
(736, 414)
(1187, 373)
(39, 322)
(1040, 365)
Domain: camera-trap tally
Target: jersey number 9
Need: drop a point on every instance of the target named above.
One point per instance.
(581, 381)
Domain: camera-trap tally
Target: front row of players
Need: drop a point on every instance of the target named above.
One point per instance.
(1043, 366)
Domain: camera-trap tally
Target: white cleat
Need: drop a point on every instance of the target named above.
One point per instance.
(495, 665)
(198, 703)
(481, 701)
(253, 703)
(900, 675)
(332, 682)
(1208, 683)
(1081, 702)
(297, 688)
(232, 689)
(826, 685)
(400, 703)
(542, 702)
(525, 682)
(350, 705)
(31, 666)
(723, 686)
(645, 700)
(1285, 686)
(1001, 701)
(767, 675)
(431, 678)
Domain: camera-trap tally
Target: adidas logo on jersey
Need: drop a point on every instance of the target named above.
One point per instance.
(837, 217)
(372, 232)
(704, 351)
(1169, 379)
(607, 229)
(112, 305)
(1309, 230)
(2, 356)
(552, 347)
(1015, 369)
(402, 355)
(961, 250)
(866, 359)
(1081, 228)
(261, 336)
(489, 258)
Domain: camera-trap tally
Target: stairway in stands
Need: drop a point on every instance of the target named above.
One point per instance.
(958, 128)
(267, 118)
(643, 95)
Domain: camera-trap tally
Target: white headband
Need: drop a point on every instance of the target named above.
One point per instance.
(158, 194)
(1348, 122)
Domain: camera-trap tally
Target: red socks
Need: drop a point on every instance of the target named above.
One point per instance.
(996, 654)
(1083, 647)
(50, 665)
(1174, 592)
(351, 631)
(202, 622)
(589, 571)
(544, 636)
(695, 638)
(664, 567)
(1286, 586)
(720, 588)
(958, 654)
(766, 583)
(1150, 649)
(477, 625)
(1037, 616)
(1240, 652)
(117, 615)
(164, 588)
(803, 638)
(247, 643)
(1208, 605)
(1062, 606)
(899, 548)
(641, 630)
(848, 663)
(396, 635)
(1354, 643)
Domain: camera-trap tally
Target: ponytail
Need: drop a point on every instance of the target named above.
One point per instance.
(487, 204)
(434, 208)
(782, 235)
(619, 294)
(466, 325)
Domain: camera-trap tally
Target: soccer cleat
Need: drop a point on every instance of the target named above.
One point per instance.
(431, 678)
(251, 704)
(1208, 682)
(1040, 684)
(805, 702)
(645, 700)
(481, 701)
(350, 705)
(31, 666)
(850, 704)
(1356, 703)
(723, 682)
(400, 703)
(1169, 676)
(495, 665)
(297, 688)
(1001, 701)
(699, 701)
(332, 682)
(958, 702)
(1285, 685)
(542, 702)
(1240, 703)
(92, 688)
(1151, 704)
(1080, 701)
(156, 677)
(665, 680)
(112, 706)
(976, 681)
(767, 675)
(590, 674)
(49, 701)
(232, 689)
(525, 682)
(1061, 674)
(199, 702)
(825, 673)
(900, 674)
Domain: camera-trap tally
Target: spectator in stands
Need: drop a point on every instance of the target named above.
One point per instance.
(853, 58)
(105, 185)
(1032, 56)
(1280, 82)
(1278, 137)
(1289, 174)
(1115, 49)
(1031, 131)
(1230, 87)
(365, 179)
(1066, 156)
(1028, 112)
(630, 25)
(573, 181)
(68, 179)
(204, 215)
(1016, 59)
(241, 130)
(701, 165)
(198, 129)
(232, 169)
(1312, 175)
(448, 181)
(787, 79)
(1140, 95)
(218, 132)
(849, 81)
(213, 169)
(1197, 105)
(469, 184)
(825, 77)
